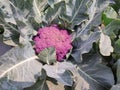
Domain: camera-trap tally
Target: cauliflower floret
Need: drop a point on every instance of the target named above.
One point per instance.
(52, 36)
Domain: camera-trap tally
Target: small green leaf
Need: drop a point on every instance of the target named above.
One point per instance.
(112, 28)
(108, 15)
(48, 55)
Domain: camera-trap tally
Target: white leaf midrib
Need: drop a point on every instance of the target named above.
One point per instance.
(22, 62)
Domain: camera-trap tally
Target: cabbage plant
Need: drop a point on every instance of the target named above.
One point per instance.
(60, 44)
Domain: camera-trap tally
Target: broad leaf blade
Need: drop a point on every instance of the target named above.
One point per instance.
(58, 72)
(4, 48)
(18, 68)
(46, 83)
(92, 65)
(83, 46)
(41, 83)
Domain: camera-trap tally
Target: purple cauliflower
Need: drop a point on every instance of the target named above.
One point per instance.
(52, 36)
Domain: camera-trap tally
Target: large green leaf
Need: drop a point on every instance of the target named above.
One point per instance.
(19, 68)
(41, 83)
(4, 48)
(92, 65)
(46, 83)
(83, 46)
(82, 80)
(77, 11)
(94, 17)
(58, 71)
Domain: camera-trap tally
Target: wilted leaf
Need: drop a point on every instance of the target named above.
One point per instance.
(105, 45)
(19, 68)
(48, 55)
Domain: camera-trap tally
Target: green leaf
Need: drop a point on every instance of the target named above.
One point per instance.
(112, 28)
(118, 71)
(11, 34)
(117, 46)
(53, 13)
(52, 2)
(38, 7)
(18, 68)
(48, 55)
(7, 12)
(4, 48)
(105, 45)
(76, 11)
(41, 83)
(18, 28)
(82, 80)
(60, 72)
(116, 5)
(83, 46)
(93, 66)
(46, 83)
(109, 15)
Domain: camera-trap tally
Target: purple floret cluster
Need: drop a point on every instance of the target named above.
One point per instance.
(52, 36)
